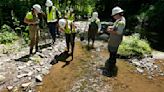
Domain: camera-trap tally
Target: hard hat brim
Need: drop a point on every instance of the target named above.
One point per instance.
(117, 13)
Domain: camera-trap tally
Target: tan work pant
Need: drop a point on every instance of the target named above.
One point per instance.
(34, 35)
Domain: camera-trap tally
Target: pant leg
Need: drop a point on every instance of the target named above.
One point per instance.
(32, 36)
(37, 38)
(73, 35)
(67, 36)
(57, 29)
(111, 62)
(52, 30)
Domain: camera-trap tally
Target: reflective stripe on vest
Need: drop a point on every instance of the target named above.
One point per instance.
(51, 16)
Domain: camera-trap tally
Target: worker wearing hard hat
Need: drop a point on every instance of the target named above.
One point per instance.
(68, 27)
(52, 18)
(94, 28)
(116, 36)
(32, 20)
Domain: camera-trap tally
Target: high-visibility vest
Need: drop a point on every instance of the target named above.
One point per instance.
(32, 17)
(71, 17)
(51, 15)
(68, 28)
(29, 15)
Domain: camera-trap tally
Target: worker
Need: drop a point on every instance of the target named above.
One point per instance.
(94, 28)
(116, 36)
(32, 20)
(52, 19)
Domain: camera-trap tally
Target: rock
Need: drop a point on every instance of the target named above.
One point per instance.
(10, 88)
(136, 62)
(49, 48)
(21, 75)
(2, 78)
(38, 78)
(158, 55)
(6, 59)
(48, 67)
(140, 70)
(155, 66)
(150, 77)
(29, 63)
(30, 73)
(45, 71)
(161, 74)
(21, 67)
(98, 49)
(24, 85)
(56, 50)
(30, 91)
(44, 50)
(41, 63)
(15, 89)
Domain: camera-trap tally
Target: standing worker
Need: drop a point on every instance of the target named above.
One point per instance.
(116, 36)
(32, 20)
(52, 19)
(70, 33)
(94, 28)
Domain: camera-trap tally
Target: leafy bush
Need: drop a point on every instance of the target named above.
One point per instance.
(134, 46)
(6, 35)
(5, 28)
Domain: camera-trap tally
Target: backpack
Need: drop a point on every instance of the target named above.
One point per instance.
(93, 25)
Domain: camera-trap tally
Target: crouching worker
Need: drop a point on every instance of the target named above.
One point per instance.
(32, 20)
(69, 29)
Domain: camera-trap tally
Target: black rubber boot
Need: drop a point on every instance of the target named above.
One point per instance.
(37, 49)
(31, 49)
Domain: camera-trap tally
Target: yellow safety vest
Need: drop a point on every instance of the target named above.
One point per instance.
(71, 17)
(29, 16)
(51, 16)
(68, 30)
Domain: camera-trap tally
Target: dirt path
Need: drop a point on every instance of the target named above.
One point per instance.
(63, 79)
(59, 79)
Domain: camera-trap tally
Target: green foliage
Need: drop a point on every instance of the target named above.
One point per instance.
(26, 35)
(5, 28)
(7, 37)
(134, 46)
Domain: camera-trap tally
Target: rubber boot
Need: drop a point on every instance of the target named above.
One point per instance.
(36, 49)
(31, 49)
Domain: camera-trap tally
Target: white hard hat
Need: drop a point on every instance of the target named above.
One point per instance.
(95, 14)
(49, 3)
(37, 7)
(116, 10)
(62, 23)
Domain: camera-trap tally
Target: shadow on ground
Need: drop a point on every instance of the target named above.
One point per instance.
(27, 57)
(61, 57)
(23, 58)
(45, 46)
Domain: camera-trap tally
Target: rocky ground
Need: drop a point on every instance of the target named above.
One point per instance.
(18, 69)
(21, 73)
